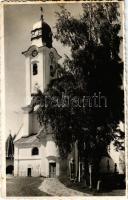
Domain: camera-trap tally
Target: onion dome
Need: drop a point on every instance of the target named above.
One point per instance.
(42, 31)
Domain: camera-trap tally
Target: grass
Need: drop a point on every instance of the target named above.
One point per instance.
(24, 186)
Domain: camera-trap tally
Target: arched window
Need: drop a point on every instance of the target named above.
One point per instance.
(35, 69)
(35, 151)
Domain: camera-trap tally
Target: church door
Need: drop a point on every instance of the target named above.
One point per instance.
(29, 172)
(52, 170)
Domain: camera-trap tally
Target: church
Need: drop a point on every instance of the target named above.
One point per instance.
(35, 153)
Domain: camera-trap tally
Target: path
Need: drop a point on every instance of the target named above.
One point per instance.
(54, 187)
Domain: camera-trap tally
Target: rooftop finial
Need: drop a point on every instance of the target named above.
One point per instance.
(41, 9)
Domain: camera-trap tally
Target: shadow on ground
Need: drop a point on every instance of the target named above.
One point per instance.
(24, 186)
(82, 188)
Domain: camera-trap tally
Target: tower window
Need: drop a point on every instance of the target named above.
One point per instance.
(35, 69)
(35, 151)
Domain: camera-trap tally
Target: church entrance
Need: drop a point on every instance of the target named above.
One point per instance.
(29, 172)
(52, 170)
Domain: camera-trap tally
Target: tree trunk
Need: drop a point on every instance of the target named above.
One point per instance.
(76, 160)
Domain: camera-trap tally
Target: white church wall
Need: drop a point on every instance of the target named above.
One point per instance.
(40, 68)
(51, 149)
(34, 165)
(46, 75)
(15, 167)
(16, 152)
(26, 124)
(16, 160)
(27, 88)
(43, 161)
(46, 167)
(26, 153)
(24, 159)
(57, 169)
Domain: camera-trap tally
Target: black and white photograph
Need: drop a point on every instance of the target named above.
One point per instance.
(64, 99)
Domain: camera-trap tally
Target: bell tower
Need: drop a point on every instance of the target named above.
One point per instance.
(41, 60)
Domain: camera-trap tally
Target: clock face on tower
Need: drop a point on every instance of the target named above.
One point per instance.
(34, 53)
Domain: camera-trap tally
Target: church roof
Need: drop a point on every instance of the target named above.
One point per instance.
(28, 140)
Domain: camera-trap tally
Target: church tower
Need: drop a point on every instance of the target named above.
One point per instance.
(41, 60)
(35, 151)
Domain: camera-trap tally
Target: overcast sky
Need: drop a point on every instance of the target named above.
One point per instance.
(19, 20)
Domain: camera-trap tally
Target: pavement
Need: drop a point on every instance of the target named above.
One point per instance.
(54, 187)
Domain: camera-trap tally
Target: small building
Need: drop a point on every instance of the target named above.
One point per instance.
(35, 157)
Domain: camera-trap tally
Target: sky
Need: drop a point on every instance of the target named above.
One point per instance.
(18, 23)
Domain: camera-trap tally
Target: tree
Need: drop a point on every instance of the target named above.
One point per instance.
(94, 68)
